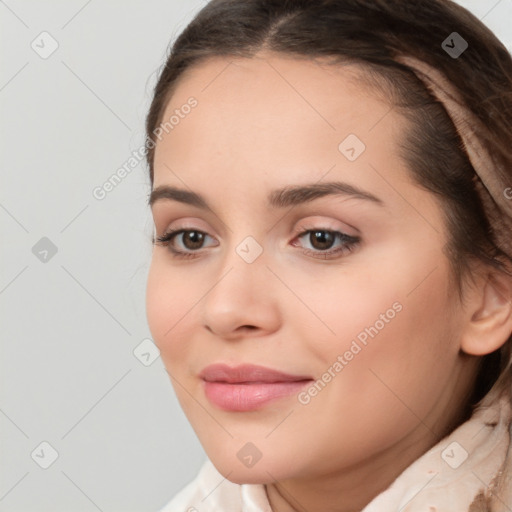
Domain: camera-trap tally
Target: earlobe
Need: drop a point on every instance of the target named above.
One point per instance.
(490, 319)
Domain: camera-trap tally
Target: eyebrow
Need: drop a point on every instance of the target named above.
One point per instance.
(280, 198)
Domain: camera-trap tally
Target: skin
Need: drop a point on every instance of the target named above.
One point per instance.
(273, 121)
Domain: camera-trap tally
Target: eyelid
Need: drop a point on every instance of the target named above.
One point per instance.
(326, 225)
(310, 223)
(186, 223)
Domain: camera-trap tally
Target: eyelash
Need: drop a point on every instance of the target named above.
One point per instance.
(350, 243)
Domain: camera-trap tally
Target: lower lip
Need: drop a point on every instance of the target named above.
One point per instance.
(250, 396)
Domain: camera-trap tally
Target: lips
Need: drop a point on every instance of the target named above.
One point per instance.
(247, 373)
(248, 387)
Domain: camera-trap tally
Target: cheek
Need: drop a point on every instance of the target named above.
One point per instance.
(360, 305)
(420, 348)
(170, 302)
(396, 331)
(401, 301)
(409, 358)
(392, 380)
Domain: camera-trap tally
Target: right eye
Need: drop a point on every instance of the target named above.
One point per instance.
(191, 240)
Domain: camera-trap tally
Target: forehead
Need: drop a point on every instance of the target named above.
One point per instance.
(312, 88)
(265, 115)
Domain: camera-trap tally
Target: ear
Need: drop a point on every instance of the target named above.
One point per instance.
(489, 314)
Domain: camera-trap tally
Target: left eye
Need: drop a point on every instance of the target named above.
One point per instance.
(322, 240)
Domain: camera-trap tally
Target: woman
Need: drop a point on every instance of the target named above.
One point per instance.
(331, 281)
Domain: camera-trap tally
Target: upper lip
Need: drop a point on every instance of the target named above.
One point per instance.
(246, 373)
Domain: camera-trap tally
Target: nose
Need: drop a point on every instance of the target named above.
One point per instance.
(243, 298)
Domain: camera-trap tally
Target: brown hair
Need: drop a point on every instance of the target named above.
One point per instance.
(369, 33)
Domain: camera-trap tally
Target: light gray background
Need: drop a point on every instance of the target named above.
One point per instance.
(70, 324)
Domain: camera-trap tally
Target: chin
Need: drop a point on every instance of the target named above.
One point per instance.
(261, 473)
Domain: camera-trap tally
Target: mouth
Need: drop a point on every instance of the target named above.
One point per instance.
(248, 387)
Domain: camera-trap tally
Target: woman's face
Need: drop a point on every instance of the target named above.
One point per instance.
(365, 325)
